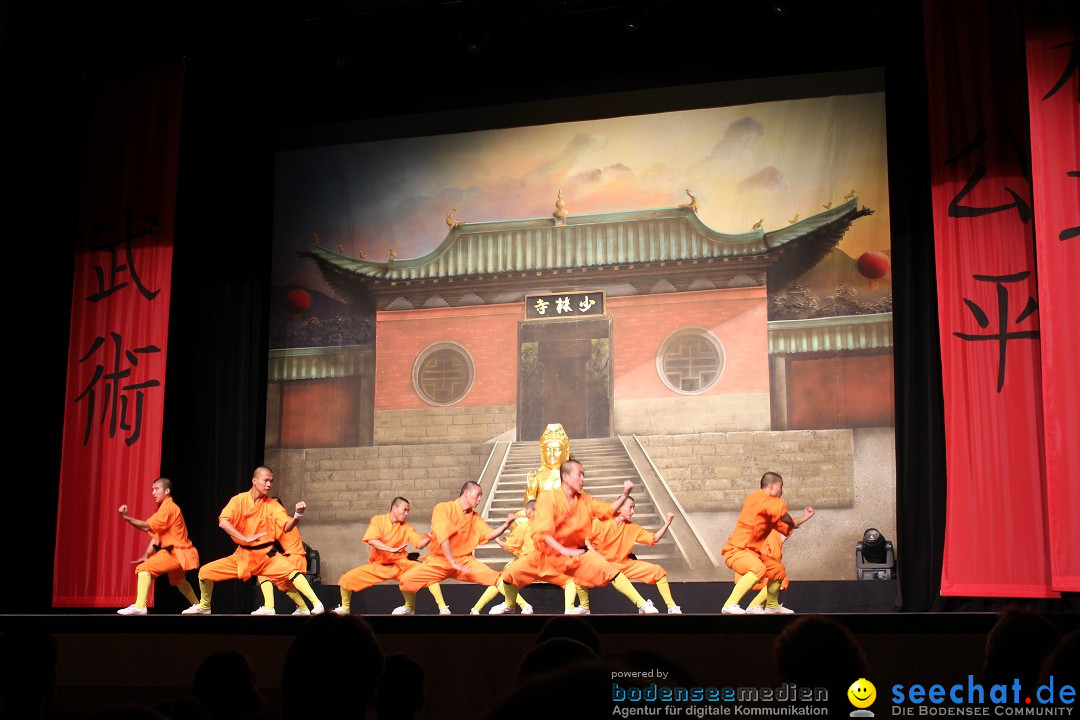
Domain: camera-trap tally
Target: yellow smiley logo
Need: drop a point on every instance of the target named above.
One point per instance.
(862, 693)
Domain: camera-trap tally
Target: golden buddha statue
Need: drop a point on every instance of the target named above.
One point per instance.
(554, 451)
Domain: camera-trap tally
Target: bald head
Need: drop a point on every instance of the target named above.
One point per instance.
(769, 479)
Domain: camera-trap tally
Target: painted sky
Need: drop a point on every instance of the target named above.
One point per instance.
(766, 161)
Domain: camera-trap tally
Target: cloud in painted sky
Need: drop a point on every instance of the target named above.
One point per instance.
(765, 179)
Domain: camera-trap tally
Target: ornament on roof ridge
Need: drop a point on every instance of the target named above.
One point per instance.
(692, 205)
(561, 212)
(451, 221)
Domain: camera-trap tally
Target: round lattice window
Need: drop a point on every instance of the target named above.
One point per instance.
(690, 361)
(443, 373)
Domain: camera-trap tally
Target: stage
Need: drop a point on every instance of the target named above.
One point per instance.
(105, 658)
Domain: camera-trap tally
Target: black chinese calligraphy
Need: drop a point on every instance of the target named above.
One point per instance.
(117, 394)
(1023, 207)
(1069, 71)
(122, 256)
(1002, 335)
(1070, 232)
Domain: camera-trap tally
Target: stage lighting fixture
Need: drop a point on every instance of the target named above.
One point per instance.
(874, 557)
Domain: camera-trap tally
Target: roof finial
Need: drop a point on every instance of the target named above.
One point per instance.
(692, 206)
(560, 213)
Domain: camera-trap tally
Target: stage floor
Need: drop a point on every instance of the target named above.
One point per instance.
(106, 658)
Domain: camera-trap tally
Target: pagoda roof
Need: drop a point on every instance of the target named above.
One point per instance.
(620, 238)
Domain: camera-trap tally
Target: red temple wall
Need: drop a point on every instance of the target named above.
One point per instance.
(321, 413)
(487, 332)
(737, 317)
(840, 392)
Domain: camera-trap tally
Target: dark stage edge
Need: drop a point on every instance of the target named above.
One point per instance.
(106, 658)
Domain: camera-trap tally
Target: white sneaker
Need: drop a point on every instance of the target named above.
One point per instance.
(474, 611)
(501, 609)
(340, 611)
(733, 610)
(301, 611)
(402, 610)
(196, 609)
(445, 610)
(674, 610)
(755, 610)
(318, 609)
(578, 611)
(263, 610)
(779, 610)
(647, 609)
(527, 610)
(131, 610)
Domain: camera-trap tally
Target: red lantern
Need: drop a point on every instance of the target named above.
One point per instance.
(297, 301)
(873, 264)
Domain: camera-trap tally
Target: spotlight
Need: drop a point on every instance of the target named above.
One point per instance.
(874, 557)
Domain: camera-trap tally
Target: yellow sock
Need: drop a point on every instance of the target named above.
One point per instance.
(206, 589)
(304, 587)
(410, 599)
(346, 599)
(185, 589)
(511, 593)
(436, 592)
(267, 588)
(582, 596)
(297, 598)
(488, 596)
(773, 600)
(665, 591)
(142, 591)
(759, 599)
(623, 585)
(569, 593)
(521, 602)
(744, 583)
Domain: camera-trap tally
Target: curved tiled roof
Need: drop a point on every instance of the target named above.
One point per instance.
(621, 238)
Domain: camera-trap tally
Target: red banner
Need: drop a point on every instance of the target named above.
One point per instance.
(990, 317)
(119, 336)
(1053, 80)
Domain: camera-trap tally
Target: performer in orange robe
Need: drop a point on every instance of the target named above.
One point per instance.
(763, 511)
(253, 520)
(615, 539)
(773, 547)
(170, 552)
(387, 536)
(561, 525)
(291, 547)
(456, 531)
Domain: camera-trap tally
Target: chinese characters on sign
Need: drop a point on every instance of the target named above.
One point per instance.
(112, 388)
(1001, 335)
(564, 305)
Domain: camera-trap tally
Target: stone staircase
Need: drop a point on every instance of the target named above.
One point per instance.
(607, 465)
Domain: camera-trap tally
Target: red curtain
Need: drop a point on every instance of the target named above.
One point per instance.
(996, 540)
(119, 335)
(1053, 82)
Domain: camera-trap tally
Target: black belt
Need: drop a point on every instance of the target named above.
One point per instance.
(271, 545)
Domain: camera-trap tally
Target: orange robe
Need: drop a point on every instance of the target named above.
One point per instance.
(250, 517)
(294, 554)
(569, 523)
(615, 541)
(760, 515)
(176, 554)
(383, 565)
(773, 547)
(464, 531)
